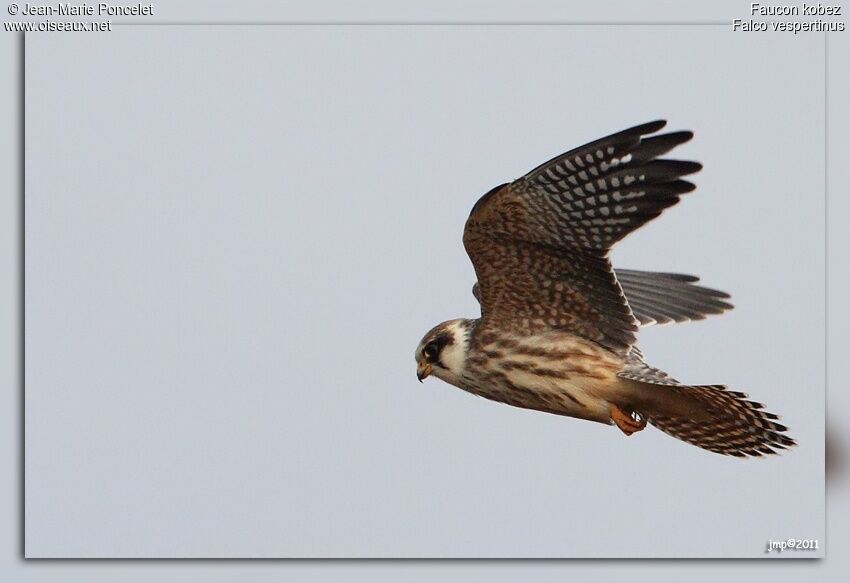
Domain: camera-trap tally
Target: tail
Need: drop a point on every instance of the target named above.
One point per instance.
(721, 421)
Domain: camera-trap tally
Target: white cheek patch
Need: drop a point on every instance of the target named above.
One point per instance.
(453, 357)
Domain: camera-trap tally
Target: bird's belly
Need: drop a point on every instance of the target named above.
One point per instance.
(584, 400)
(564, 375)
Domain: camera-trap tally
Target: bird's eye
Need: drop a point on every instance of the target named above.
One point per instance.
(431, 351)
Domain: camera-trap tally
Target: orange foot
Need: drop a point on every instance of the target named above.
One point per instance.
(628, 422)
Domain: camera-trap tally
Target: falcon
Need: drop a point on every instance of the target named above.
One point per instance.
(559, 324)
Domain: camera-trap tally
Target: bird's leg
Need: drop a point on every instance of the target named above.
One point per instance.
(628, 421)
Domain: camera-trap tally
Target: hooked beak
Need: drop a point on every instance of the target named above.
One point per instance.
(423, 369)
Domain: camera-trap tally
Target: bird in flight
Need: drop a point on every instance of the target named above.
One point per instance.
(558, 324)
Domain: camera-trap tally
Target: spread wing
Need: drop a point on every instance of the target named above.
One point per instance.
(662, 298)
(540, 244)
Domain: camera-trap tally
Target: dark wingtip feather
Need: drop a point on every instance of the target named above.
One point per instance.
(693, 167)
(686, 135)
(676, 168)
(668, 141)
(649, 127)
(675, 276)
(681, 187)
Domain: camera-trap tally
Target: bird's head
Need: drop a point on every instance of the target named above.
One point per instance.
(442, 351)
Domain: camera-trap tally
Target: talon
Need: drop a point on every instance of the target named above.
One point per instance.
(628, 421)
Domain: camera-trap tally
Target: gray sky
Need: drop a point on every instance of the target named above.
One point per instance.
(237, 237)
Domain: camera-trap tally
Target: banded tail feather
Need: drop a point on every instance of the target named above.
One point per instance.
(731, 424)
